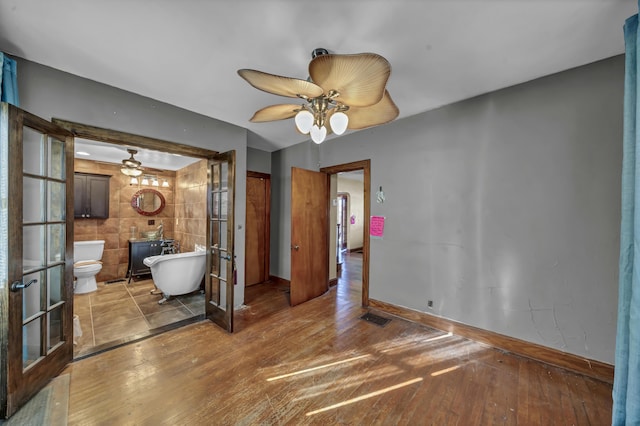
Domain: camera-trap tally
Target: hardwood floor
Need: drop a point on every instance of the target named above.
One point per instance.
(319, 363)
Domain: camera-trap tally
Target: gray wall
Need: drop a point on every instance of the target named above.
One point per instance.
(503, 209)
(50, 93)
(258, 161)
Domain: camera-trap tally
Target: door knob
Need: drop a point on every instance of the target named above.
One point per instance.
(295, 247)
(19, 285)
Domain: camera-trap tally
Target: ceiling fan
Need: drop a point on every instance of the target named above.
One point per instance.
(342, 92)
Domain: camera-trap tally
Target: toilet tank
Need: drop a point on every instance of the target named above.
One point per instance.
(87, 250)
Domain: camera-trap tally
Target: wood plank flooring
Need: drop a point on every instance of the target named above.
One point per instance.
(319, 363)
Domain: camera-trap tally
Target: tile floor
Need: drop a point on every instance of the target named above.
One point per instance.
(121, 311)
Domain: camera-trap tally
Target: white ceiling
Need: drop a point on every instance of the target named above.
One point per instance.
(186, 53)
(109, 153)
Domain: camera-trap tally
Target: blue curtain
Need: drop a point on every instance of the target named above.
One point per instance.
(8, 80)
(626, 385)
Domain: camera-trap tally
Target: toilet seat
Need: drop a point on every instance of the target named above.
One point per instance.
(88, 268)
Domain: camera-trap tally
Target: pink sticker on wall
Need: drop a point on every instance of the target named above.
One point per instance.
(352, 219)
(376, 226)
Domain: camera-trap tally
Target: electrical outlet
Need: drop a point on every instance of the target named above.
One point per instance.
(151, 222)
(430, 304)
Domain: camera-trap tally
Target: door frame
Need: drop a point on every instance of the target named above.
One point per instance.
(365, 166)
(116, 137)
(344, 219)
(128, 139)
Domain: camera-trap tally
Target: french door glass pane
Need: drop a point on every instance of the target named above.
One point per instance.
(56, 159)
(223, 235)
(55, 328)
(215, 207)
(31, 296)
(55, 284)
(31, 343)
(223, 204)
(56, 203)
(33, 152)
(33, 200)
(222, 296)
(223, 266)
(224, 173)
(216, 177)
(33, 239)
(56, 242)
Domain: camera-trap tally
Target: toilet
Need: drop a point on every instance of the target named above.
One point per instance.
(87, 264)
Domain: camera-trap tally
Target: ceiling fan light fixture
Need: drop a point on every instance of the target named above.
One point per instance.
(335, 84)
(130, 171)
(304, 121)
(339, 122)
(318, 133)
(131, 166)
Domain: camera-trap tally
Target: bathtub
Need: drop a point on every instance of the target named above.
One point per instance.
(176, 274)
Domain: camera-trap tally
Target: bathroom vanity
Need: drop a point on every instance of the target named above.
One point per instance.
(138, 250)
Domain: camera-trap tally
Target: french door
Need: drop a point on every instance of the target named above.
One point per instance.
(220, 276)
(36, 254)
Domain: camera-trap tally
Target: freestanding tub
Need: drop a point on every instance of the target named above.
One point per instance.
(176, 274)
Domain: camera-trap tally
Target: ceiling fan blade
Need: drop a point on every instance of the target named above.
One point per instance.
(360, 79)
(278, 85)
(275, 112)
(380, 113)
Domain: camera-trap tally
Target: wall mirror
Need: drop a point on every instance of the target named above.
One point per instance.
(148, 202)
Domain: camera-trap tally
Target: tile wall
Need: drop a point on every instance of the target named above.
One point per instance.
(116, 230)
(191, 205)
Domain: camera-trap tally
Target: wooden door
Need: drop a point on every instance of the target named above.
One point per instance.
(257, 228)
(36, 255)
(220, 276)
(309, 235)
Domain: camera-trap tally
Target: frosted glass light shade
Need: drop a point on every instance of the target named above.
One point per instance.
(339, 122)
(304, 121)
(134, 180)
(318, 133)
(145, 181)
(129, 171)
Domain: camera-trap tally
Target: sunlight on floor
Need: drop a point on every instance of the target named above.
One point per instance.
(444, 371)
(367, 396)
(443, 351)
(295, 373)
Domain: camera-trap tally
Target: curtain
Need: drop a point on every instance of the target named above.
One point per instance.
(626, 385)
(8, 80)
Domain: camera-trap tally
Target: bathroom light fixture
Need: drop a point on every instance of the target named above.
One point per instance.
(131, 166)
(134, 180)
(153, 180)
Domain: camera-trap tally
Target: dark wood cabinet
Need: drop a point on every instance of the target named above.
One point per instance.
(138, 250)
(91, 196)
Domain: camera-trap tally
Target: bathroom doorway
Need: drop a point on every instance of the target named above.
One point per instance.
(123, 308)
